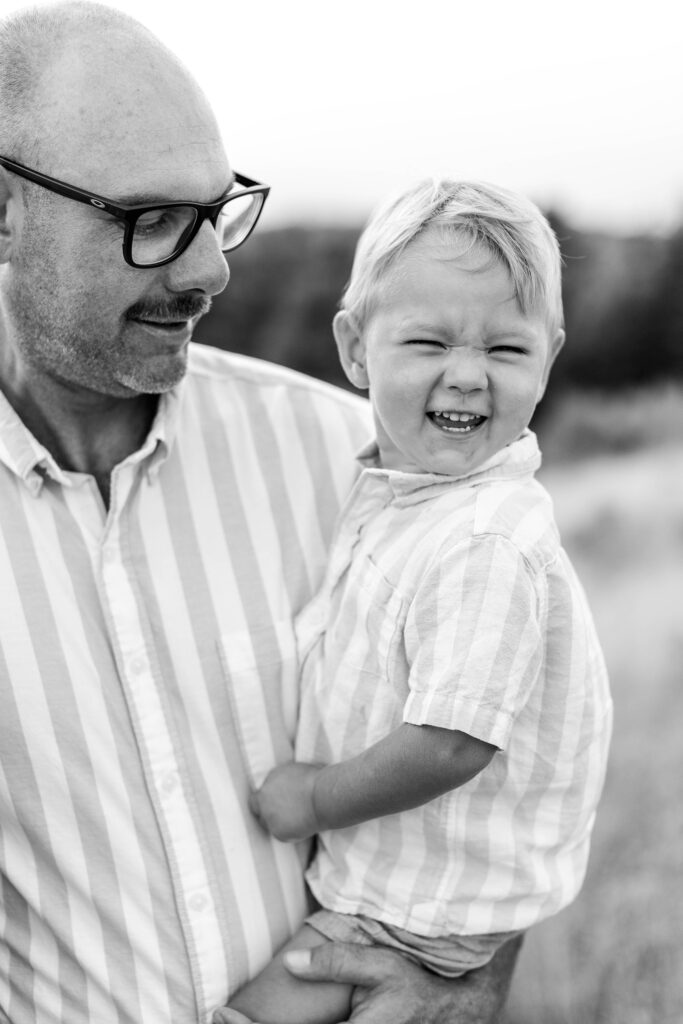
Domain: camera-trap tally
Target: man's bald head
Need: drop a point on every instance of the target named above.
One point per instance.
(73, 71)
(89, 96)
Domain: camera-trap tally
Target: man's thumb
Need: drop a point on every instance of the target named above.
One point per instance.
(339, 961)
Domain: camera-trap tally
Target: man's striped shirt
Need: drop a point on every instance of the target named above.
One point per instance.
(450, 602)
(147, 680)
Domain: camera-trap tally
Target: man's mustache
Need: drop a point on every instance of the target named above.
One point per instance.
(181, 307)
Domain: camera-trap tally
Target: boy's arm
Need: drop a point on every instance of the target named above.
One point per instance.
(411, 766)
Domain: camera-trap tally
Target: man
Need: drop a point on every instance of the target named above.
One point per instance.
(164, 512)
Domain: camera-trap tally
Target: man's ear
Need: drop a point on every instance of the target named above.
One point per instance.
(8, 202)
(554, 346)
(351, 347)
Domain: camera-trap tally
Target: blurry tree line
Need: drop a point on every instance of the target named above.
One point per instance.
(623, 301)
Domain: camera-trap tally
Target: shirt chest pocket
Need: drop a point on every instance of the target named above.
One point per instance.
(361, 677)
(366, 620)
(261, 674)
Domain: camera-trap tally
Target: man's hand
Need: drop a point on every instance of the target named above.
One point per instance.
(226, 1016)
(390, 989)
(284, 803)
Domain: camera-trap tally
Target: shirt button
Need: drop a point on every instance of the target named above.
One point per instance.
(138, 666)
(197, 901)
(169, 783)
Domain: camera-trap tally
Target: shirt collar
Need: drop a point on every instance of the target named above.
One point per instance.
(520, 459)
(21, 452)
(32, 462)
(162, 434)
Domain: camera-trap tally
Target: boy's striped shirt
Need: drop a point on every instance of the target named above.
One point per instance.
(450, 602)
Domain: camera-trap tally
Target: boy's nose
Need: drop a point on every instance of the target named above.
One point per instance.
(465, 370)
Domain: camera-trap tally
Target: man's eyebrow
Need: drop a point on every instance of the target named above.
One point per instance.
(153, 198)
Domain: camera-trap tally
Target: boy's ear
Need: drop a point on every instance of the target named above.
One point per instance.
(554, 346)
(351, 347)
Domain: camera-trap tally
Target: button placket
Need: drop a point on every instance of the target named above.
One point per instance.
(154, 732)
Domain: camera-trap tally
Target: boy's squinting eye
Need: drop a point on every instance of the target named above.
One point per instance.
(505, 349)
(425, 341)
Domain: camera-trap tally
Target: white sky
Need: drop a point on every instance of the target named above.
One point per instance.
(576, 103)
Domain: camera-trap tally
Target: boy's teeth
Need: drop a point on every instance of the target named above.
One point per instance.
(457, 422)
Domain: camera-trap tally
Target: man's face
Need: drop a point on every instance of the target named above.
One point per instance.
(80, 314)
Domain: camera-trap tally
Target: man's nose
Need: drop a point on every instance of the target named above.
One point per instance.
(465, 369)
(202, 267)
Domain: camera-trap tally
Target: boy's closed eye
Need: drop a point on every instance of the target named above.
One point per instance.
(513, 349)
(495, 347)
(425, 341)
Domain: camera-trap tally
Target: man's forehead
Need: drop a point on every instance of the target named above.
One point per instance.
(127, 117)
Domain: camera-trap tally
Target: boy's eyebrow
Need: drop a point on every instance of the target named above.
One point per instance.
(516, 332)
(417, 323)
(520, 333)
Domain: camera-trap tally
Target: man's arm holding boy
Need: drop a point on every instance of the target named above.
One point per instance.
(389, 989)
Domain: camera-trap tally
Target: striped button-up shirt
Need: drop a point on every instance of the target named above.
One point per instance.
(450, 602)
(147, 680)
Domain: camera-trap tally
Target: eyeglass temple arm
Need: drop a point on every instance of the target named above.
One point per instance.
(55, 185)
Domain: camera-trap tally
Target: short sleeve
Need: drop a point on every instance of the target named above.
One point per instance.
(473, 640)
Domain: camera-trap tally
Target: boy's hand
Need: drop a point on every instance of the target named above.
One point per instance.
(284, 803)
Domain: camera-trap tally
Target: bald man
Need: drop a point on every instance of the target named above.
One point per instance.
(165, 511)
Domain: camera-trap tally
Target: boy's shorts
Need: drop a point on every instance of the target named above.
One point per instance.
(447, 955)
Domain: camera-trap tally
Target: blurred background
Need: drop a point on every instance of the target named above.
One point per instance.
(578, 106)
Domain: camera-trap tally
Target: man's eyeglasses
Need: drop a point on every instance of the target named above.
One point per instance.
(156, 234)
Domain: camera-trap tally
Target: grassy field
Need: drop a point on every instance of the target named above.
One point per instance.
(616, 955)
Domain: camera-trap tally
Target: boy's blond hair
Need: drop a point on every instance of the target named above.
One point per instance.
(511, 228)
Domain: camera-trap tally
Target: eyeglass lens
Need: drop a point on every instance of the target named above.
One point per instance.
(160, 233)
(236, 220)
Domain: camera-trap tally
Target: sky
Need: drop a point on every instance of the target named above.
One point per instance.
(336, 105)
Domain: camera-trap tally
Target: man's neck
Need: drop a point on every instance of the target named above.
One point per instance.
(85, 432)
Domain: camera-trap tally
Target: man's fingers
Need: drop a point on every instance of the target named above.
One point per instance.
(226, 1016)
(344, 962)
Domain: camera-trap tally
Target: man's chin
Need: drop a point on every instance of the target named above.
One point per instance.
(159, 375)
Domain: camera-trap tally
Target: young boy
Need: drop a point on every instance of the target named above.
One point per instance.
(455, 713)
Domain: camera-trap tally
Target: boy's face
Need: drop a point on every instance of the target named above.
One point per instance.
(454, 367)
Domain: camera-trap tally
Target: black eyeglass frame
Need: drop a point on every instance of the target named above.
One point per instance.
(129, 213)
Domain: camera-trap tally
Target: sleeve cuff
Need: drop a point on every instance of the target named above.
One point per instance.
(489, 724)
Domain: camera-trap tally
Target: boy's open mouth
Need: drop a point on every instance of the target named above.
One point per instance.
(456, 422)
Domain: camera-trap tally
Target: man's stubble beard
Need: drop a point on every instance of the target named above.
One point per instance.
(58, 334)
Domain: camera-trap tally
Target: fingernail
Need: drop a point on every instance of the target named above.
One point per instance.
(298, 959)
